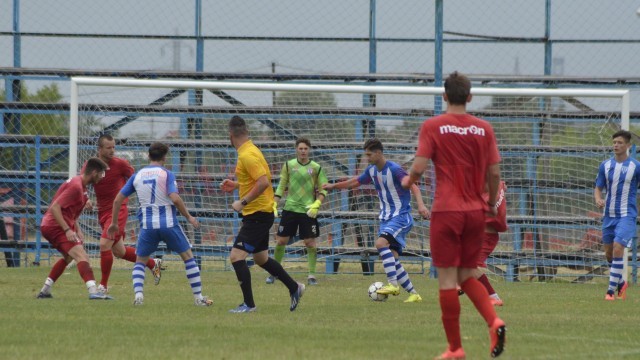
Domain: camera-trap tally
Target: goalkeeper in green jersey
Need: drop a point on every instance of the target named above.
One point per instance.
(302, 178)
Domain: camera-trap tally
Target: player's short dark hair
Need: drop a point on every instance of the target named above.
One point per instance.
(626, 135)
(373, 144)
(104, 137)
(238, 127)
(157, 151)
(95, 164)
(457, 87)
(303, 140)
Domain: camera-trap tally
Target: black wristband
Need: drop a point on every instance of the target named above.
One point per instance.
(244, 202)
(67, 229)
(490, 204)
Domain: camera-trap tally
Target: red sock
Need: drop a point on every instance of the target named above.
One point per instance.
(85, 271)
(129, 254)
(106, 263)
(151, 263)
(450, 305)
(484, 280)
(480, 298)
(57, 269)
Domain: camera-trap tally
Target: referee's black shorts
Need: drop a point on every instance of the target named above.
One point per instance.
(253, 236)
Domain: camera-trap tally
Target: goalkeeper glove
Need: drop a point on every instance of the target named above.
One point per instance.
(275, 208)
(313, 209)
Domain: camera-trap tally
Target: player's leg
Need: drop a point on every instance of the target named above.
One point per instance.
(392, 234)
(489, 243)
(128, 253)
(309, 231)
(617, 266)
(403, 278)
(444, 243)
(148, 240)
(624, 233)
(78, 254)
(54, 236)
(106, 261)
(245, 244)
(288, 227)
(389, 265)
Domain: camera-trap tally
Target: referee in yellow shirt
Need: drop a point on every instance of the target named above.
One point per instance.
(256, 205)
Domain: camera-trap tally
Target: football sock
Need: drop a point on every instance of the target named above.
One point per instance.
(85, 271)
(106, 263)
(276, 270)
(615, 274)
(484, 280)
(244, 278)
(138, 277)
(46, 288)
(312, 257)
(57, 270)
(278, 253)
(480, 298)
(389, 263)
(450, 306)
(129, 254)
(403, 278)
(193, 275)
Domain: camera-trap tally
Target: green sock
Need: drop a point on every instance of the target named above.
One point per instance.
(312, 255)
(278, 254)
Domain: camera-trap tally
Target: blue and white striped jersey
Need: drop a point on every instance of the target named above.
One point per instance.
(153, 184)
(620, 180)
(394, 200)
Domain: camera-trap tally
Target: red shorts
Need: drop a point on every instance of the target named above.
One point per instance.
(488, 245)
(105, 222)
(456, 238)
(58, 239)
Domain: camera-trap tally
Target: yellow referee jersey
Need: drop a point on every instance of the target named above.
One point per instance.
(252, 165)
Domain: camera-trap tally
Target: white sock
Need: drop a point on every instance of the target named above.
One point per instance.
(91, 285)
(46, 289)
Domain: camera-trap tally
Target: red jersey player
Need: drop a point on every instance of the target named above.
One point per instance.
(59, 226)
(464, 152)
(493, 226)
(106, 191)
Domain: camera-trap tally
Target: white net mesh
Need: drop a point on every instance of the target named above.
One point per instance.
(551, 148)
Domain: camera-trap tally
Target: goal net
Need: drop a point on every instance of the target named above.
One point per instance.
(551, 142)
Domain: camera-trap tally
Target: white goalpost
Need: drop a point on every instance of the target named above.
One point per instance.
(551, 140)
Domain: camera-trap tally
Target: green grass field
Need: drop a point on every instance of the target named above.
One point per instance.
(335, 320)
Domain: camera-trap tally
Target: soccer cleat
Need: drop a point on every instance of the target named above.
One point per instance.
(296, 296)
(460, 291)
(139, 300)
(496, 302)
(42, 295)
(99, 296)
(389, 289)
(622, 290)
(312, 281)
(451, 355)
(609, 296)
(498, 335)
(270, 280)
(414, 298)
(157, 271)
(103, 289)
(242, 308)
(203, 301)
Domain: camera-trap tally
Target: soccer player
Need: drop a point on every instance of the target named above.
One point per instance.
(106, 191)
(256, 206)
(395, 214)
(464, 151)
(620, 175)
(301, 178)
(59, 226)
(158, 199)
(493, 226)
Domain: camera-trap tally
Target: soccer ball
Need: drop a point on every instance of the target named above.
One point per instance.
(373, 295)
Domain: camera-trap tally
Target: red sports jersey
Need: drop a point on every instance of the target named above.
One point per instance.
(499, 222)
(107, 189)
(461, 147)
(71, 196)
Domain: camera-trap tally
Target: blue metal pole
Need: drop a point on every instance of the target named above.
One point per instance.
(372, 38)
(38, 200)
(547, 37)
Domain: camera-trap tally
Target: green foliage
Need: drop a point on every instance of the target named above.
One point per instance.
(42, 124)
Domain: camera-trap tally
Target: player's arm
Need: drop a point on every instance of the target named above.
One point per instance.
(422, 209)
(177, 201)
(282, 186)
(261, 185)
(418, 167)
(56, 210)
(597, 191)
(346, 184)
(493, 182)
(228, 185)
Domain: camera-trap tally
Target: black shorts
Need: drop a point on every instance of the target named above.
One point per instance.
(253, 236)
(292, 221)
